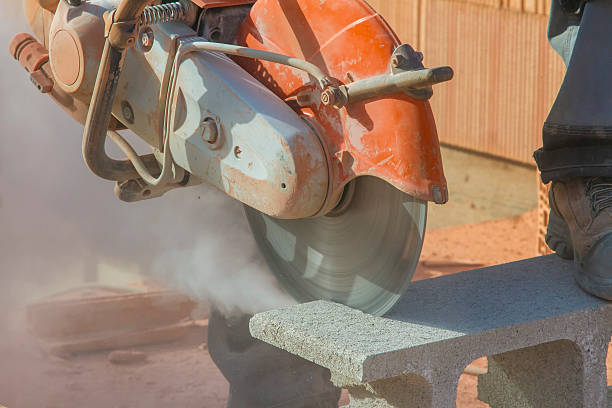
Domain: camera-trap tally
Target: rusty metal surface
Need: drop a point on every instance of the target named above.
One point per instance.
(507, 76)
(18, 42)
(39, 19)
(32, 56)
(144, 82)
(99, 119)
(205, 4)
(76, 42)
(50, 5)
(30, 53)
(121, 34)
(41, 81)
(182, 10)
(221, 24)
(391, 84)
(264, 154)
(393, 138)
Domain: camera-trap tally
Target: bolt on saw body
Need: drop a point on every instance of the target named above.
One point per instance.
(309, 112)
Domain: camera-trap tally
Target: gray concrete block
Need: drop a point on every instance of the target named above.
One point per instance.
(528, 377)
(441, 325)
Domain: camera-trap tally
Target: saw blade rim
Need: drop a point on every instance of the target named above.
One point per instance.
(403, 265)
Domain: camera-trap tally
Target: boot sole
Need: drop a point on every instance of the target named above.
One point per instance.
(594, 272)
(602, 290)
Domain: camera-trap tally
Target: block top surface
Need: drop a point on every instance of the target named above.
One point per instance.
(432, 311)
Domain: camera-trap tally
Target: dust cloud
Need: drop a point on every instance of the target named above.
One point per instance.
(61, 226)
(10, 8)
(59, 223)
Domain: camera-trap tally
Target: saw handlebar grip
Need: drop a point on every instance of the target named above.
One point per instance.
(383, 85)
(125, 18)
(130, 10)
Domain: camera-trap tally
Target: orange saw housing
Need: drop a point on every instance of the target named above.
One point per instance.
(206, 4)
(394, 137)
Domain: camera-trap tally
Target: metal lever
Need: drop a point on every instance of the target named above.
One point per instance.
(383, 85)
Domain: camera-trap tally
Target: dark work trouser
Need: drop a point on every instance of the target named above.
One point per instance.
(577, 135)
(262, 376)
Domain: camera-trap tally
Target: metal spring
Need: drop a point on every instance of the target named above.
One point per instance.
(164, 13)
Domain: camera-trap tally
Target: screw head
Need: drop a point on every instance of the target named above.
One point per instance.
(328, 97)
(333, 96)
(210, 131)
(146, 39)
(127, 111)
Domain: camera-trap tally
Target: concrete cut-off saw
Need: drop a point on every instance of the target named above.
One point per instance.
(310, 112)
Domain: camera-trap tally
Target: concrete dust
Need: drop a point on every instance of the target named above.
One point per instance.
(59, 223)
(183, 375)
(174, 375)
(212, 255)
(11, 8)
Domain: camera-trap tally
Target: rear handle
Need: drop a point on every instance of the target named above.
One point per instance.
(383, 85)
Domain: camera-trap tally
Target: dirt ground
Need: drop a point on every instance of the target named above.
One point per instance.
(183, 375)
(483, 188)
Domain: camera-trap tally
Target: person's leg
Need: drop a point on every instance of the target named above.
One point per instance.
(577, 143)
(577, 135)
(262, 376)
(563, 27)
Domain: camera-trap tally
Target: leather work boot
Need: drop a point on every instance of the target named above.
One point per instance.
(580, 228)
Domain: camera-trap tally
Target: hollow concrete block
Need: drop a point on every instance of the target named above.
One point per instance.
(543, 334)
(559, 374)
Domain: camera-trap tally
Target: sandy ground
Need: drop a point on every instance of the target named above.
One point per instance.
(483, 188)
(182, 374)
(174, 375)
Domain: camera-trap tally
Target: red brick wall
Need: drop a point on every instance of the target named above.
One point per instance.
(506, 74)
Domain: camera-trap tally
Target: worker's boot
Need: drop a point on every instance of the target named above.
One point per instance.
(580, 227)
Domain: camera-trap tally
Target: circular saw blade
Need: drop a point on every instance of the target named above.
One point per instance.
(364, 257)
